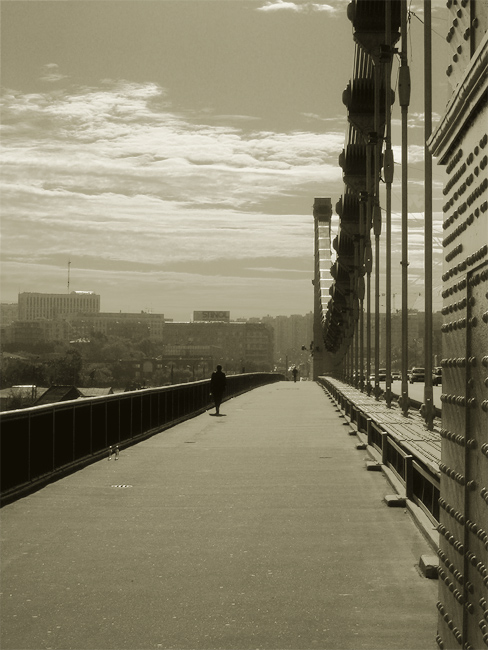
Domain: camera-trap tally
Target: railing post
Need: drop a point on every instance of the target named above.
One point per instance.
(53, 438)
(105, 412)
(29, 454)
(384, 447)
(409, 477)
(73, 432)
(359, 417)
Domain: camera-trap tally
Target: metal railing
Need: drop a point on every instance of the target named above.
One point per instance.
(40, 444)
(421, 485)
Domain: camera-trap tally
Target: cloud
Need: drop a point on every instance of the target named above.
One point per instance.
(338, 120)
(116, 173)
(50, 73)
(416, 154)
(125, 139)
(279, 5)
(416, 120)
(232, 118)
(298, 7)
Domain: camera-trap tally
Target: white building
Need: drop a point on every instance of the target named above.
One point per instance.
(55, 305)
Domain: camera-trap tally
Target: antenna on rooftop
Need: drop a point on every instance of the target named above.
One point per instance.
(69, 266)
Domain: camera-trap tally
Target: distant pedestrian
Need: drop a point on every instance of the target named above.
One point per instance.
(294, 373)
(217, 387)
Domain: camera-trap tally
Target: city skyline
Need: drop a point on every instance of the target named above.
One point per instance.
(190, 315)
(172, 151)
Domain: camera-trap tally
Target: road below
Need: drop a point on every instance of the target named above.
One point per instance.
(416, 391)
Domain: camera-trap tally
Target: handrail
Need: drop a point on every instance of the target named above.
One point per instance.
(42, 443)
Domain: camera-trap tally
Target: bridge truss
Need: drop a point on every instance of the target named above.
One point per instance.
(346, 302)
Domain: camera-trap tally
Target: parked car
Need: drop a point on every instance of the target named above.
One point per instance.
(381, 375)
(417, 374)
(437, 376)
(396, 376)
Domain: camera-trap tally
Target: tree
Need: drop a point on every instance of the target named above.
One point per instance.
(146, 346)
(97, 374)
(17, 372)
(116, 349)
(161, 377)
(67, 369)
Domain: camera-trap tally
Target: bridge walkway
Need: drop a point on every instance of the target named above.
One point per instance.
(260, 529)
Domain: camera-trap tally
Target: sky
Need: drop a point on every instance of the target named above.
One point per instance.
(169, 151)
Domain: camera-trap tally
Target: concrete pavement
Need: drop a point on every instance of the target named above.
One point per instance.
(260, 529)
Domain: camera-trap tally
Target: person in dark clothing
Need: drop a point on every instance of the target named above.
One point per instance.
(295, 373)
(217, 386)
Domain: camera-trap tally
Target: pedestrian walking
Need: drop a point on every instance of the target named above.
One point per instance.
(294, 373)
(217, 387)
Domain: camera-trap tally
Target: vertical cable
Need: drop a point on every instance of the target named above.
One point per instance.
(368, 258)
(388, 172)
(404, 98)
(355, 315)
(428, 391)
(362, 227)
(377, 226)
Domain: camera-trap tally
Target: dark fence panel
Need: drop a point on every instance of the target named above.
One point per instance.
(99, 426)
(146, 412)
(63, 437)
(41, 443)
(83, 433)
(125, 418)
(113, 422)
(14, 435)
(168, 397)
(154, 405)
(136, 415)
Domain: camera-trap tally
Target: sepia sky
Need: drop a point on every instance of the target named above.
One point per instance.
(172, 150)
